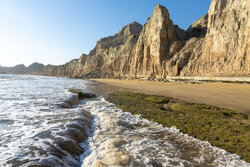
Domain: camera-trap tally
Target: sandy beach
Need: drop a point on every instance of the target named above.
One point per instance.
(225, 95)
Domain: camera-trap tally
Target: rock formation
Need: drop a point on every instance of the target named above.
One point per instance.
(217, 44)
(225, 50)
(109, 52)
(227, 40)
(152, 47)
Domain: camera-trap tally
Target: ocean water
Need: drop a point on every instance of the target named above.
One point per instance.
(33, 126)
(119, 138)
(36, 131)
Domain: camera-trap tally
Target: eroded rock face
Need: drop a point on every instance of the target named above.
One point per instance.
(101, 60)
(152, 47)
(225, 50)
(227, 40)
(75, 68)
(215, 45)
(198, 28)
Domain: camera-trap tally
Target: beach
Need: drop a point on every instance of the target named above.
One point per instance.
(53, 121)
(234, 96)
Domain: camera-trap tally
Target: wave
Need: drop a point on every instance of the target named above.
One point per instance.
(40, 128)
(121, 139)
(52, 142)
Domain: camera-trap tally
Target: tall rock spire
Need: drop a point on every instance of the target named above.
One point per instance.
(153, 44)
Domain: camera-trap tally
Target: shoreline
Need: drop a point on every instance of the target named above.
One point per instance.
(200, 121)
(243, 80)
(234, 96)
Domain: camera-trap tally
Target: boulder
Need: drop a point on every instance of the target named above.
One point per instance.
(82, 95)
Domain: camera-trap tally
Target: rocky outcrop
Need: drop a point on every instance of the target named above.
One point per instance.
(217, 44)
(198, 28)
(152, 47)
(75, 68)
(227, 41)
(225, 50)
(111, 52)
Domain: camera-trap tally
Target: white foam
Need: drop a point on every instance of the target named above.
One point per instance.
(122, 139)
(29, 105)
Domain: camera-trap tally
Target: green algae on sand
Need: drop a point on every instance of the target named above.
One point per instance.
(223, 128)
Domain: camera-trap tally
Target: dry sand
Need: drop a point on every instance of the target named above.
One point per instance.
(225, 95)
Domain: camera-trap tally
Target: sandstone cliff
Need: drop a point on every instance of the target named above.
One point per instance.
(215, 45)
(110, 51)
(225, 50)
(227, 41)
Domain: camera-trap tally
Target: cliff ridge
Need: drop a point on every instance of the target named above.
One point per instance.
(215, 45)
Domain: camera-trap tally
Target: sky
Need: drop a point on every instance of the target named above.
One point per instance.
(57, 31)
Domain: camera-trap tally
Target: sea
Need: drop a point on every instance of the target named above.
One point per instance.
(37, 130)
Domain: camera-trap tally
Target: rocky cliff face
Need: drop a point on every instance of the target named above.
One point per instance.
(107, 59)
(227, 40)
(152, 47)
(215, 45)
(225, 50)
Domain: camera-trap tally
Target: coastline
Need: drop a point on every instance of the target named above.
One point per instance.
(201, 121)
(192, 116)
(232, 96)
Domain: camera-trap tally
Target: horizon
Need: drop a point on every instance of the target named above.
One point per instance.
(54, 33)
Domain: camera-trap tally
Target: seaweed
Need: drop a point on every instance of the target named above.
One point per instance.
(221, 127)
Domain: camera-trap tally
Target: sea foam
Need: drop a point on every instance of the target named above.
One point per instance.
(34, 129)
(122, 139)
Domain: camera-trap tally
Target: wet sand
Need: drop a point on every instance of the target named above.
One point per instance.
(225, 95)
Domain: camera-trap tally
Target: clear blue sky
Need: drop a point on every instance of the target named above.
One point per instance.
(56, 31)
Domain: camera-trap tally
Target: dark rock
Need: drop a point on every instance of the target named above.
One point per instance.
(86, 114)
(82, 95)
(198, 28)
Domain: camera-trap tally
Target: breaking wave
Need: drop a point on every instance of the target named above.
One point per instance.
(35, 130)
(121, 139)
(44, 125)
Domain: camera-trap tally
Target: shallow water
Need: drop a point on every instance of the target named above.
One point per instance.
(122, 139)
(36, 131)
(33, 127)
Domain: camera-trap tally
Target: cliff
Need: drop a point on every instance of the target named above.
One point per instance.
(109, 51)
(215, 45)
(225, 49)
